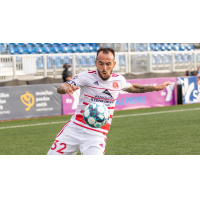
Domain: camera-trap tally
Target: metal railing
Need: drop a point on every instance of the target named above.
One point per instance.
(37, 66)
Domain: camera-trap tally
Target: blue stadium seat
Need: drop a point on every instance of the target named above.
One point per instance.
(144, 47)
(163, 47)
(83, 61)
(185, 58)
(190, 47)
(94, 49)
(67, 60)
(39, 62)
(49, 63)
(124, 46)
(191, 57)
(178, 58)
(122, 61)
(153, 59)
(137, 46)
(45, 48)
(183, 48)
(91, 61)
(131, 46)
(11, 49)
(159, 59)
(2, 48)
(57, 62)
(157, 47)
(151, 47)
(38, 49)
(19, 50)
(29, 48)
(54, 49)
(198, 57)
(170, 47)
(166, 59)
(70, 44)
(178, 47)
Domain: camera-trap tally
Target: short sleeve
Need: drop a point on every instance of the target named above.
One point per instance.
(125, 84)
(78, 80)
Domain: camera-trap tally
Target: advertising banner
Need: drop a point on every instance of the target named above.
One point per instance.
(17, 102)
(125, 100)
(166, 97)
(190, 90)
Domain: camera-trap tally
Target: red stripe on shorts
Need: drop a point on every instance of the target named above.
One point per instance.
(62, 129)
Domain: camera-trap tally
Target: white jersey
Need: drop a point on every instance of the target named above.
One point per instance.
(94, 89)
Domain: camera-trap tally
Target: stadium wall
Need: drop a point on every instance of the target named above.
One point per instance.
(30, 101)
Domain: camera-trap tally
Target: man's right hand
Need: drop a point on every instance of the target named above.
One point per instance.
(67, 89)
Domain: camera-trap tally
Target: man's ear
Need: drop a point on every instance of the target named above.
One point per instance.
(114, 64)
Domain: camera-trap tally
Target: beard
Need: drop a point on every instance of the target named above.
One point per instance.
(106, 78)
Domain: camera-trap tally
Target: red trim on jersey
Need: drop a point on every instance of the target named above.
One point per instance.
(99, 98)
(85, 103)
(82, 111)
(80, 118)
(62, 129)
(90, 128)
(92, 72)
(101, 88)
(106, 127)
(111, 116)
(111, 107)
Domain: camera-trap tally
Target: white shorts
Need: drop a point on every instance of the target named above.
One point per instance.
(73, 138)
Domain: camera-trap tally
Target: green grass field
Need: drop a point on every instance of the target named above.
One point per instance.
(170, 131)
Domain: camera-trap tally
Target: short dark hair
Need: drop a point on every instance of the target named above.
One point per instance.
(66, 65)
(106, 50)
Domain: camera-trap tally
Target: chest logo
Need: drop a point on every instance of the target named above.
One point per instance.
(96, 83)
(115, 85)
(108, 93)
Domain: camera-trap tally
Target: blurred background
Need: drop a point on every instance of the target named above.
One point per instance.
(36, 61)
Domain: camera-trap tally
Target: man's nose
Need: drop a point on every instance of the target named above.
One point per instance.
(104, 67)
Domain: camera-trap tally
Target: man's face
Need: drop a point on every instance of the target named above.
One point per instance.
(105, 64)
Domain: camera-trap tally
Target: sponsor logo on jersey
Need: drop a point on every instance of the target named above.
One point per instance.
(104, 97)
(108, 93)
(115, 85)
(96, 83)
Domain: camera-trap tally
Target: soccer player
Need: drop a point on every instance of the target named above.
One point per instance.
(100, 85)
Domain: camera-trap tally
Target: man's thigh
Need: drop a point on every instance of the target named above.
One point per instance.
(66, 142)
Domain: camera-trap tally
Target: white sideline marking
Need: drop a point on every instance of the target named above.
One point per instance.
(113, 117)
(155, 113)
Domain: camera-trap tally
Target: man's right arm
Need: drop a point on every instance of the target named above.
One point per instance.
(197, 80)
(67, 89)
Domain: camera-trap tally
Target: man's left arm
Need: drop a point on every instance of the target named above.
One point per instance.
(136, 88)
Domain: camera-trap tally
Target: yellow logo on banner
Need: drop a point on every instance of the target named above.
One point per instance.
(28, 100)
